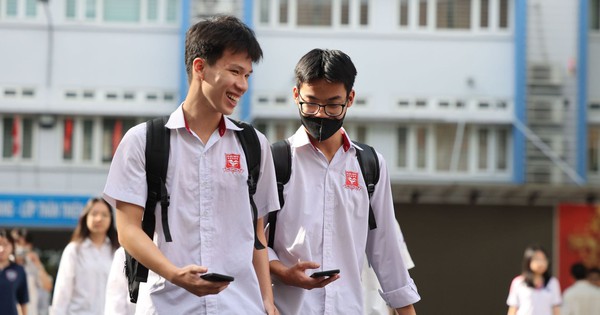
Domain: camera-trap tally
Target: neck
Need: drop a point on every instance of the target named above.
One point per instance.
(330, 145)
(4, 264)
(97, 238)
(201, 119)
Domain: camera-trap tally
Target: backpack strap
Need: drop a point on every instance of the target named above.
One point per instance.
(251, 146)
(282, 158)
(369, 166)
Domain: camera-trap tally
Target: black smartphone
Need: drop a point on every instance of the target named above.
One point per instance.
(325, 273)
(216, 277)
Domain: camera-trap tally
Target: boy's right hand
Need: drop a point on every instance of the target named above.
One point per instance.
(296, 276)
(188, 278)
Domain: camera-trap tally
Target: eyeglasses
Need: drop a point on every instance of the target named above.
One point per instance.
(311, 108)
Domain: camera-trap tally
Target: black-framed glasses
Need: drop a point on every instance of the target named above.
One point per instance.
(311, 108)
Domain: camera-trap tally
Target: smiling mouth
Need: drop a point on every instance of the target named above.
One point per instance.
(232, 97)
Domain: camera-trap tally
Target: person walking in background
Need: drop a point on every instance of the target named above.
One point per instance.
(209, 214)
(83, 270)
(535, 291)
(13, 280)
(583, 297)
(324, 223)
(117, 293)
(39, 281)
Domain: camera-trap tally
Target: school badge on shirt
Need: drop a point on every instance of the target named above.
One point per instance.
(232, 163)
(352, 180)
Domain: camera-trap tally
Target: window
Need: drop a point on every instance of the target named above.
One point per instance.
(70, 9)
(402, 147)
(484, 14)
(112, 132)
(263, 13)
(11, 7)
(31, 8)
(172, 7)
(283, 11)
(122, 10)
(345, 16)
(502, 149)
(314, 12)
(17, 136)
(421, 147)
(90, 9)
(403, 13)
(594, 17)
(503, 13)
(364, 12)
(453, 14)
(68, 139)
(446, 135)
(88, 137)
(482, 149)
(361, 134)
(423, 12)
(593, 148)
(280, 131)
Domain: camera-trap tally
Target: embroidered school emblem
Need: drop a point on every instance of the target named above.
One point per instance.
(232, 163)
(11, 275)
(352, 180)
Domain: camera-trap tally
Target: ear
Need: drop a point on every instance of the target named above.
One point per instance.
(350, 99)
(198, 68)
(295, 94)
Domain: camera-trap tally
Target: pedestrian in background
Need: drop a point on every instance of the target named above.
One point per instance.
(535, 291)
(13, 280)
(39, 282)
(83, 270)
(583, 297)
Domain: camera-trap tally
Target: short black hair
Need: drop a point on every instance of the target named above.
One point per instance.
(579, 271)
(208, 39)
(332, 65)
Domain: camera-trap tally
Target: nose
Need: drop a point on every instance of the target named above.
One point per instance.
(242, 83)
(321, 113)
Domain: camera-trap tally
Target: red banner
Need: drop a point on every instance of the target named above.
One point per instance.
(579, 239)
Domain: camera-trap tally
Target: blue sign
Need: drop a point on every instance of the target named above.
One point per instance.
(41, 210)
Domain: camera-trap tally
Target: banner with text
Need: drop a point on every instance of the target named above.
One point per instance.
(52, 211)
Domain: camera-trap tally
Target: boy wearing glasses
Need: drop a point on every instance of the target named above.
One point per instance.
(323, 224)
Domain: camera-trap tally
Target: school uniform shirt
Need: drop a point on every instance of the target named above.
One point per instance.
(582, 298)
(209, 216)
(325, 220)
(534, 301)
(117, 291)
(13, 288)
(81, 279)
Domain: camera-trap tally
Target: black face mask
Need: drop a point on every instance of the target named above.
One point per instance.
(321, 128)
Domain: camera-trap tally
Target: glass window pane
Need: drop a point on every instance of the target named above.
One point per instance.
(109, 131)
(364, 12)
(280, 132)
(453, 14)
(314, 12)
(503, 13)
(11, 7)
(283, 11)
(402, 146)
(345, 14)
(88, 129)
(68, 139)
(444, 140)
(421, 147)
(593, 144)
(31, 7)
(482, 149)
(122, 10)
(484, 14)
(361, 134)
(27, 138)
(463, 157)
(7, 136)
(403, 14)
(263, 11)
(70, 8)
(423, 12)
(594, 17)
(172, 7)
(152, 14)
(502, 149)
(90, 9)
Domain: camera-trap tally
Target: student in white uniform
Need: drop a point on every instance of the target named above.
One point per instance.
(117, 293)
(535, 291)
(324, 222)
(85, 263)
(209, 215)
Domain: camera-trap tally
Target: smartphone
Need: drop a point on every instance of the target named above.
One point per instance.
(216, 277)
(325, 273)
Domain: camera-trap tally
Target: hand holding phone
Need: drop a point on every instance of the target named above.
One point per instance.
(216, 277)
(325, 273)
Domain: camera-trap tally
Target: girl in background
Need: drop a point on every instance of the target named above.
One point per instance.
(535, 291)
(83, 271)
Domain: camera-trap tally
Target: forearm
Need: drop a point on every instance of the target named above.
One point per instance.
(277, 269)
(512, 310)
(138, 244)
(406, 310)
(260, 261)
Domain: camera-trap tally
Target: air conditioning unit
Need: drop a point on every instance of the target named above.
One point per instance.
(545, 110)
(544, 174)
(541, 73)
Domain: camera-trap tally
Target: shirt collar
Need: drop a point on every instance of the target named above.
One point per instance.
(177, 120)
(303, 139)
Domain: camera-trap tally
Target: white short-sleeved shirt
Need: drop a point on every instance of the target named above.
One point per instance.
(210, 217)
(117, 292)
(81, 279)
(325, 220)
(534, 301)
(582, 298)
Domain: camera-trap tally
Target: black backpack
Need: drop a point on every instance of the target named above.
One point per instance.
(282, 157)
(157, 160)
